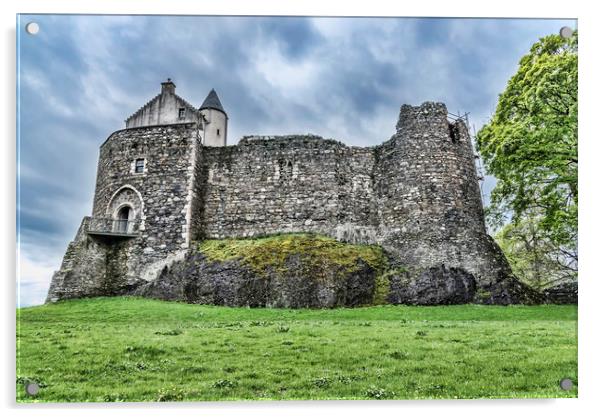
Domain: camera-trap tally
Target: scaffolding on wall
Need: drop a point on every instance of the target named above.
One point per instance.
(477, 158)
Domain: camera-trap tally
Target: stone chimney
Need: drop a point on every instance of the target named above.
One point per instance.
(168, 87)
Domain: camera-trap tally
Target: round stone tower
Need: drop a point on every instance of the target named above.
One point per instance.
(429, 201)
(214, 121)
(428, 176)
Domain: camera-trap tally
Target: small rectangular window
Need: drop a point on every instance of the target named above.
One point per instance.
(182, 113)
(139, 167)
(217, 132)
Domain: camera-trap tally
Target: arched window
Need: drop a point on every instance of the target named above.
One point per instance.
(122, 222)
(125, 210)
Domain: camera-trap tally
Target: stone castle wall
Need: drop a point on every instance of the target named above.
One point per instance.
(416, 194)
(284, 184)
(422, 178)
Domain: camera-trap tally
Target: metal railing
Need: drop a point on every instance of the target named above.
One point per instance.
(477, 158)
(100, 225)
(455, 117)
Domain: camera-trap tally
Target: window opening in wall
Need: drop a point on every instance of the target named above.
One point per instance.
(122, 221)
(182, 113)
(286, 170)
(217, 132)
(139, 166)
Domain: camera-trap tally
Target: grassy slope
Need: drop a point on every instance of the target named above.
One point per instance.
(128, 349)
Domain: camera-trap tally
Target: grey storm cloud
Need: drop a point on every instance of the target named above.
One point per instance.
(341, 78)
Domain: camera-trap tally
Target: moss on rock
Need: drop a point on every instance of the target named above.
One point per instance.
(382, 289)
(382, 284)
(270, 253)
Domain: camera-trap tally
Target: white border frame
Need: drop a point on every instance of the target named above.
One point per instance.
(589, 174)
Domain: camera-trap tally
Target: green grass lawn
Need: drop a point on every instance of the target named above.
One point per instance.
(130, 349)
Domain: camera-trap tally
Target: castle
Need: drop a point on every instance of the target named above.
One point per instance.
(169, 179)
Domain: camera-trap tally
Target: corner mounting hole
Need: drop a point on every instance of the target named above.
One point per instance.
(566, 384)
(566, 32)
(32, 28)
(32, 389)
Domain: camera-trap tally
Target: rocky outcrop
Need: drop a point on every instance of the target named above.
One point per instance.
(507, 290)
(433, 286)
(565, 293)
(299, 271)
(292, 271)
(231, 283)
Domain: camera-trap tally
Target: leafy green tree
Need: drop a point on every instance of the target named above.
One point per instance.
(534, 258)
(530, 146)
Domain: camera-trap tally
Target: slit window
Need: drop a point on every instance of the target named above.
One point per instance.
(139, 166)
(217, 132)
(182, 113)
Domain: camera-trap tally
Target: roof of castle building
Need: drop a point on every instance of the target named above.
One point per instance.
(151, 101)
(212, 102)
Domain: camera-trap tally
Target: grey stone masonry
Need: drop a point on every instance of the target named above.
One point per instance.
(159, 198)
(424, 178)
(417, 195)
(285, 184)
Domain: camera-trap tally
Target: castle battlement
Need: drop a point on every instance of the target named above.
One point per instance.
(253, 138)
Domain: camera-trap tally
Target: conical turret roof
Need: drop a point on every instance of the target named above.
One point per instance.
(212, 102)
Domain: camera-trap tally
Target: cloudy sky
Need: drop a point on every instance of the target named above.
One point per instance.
(80, 77)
